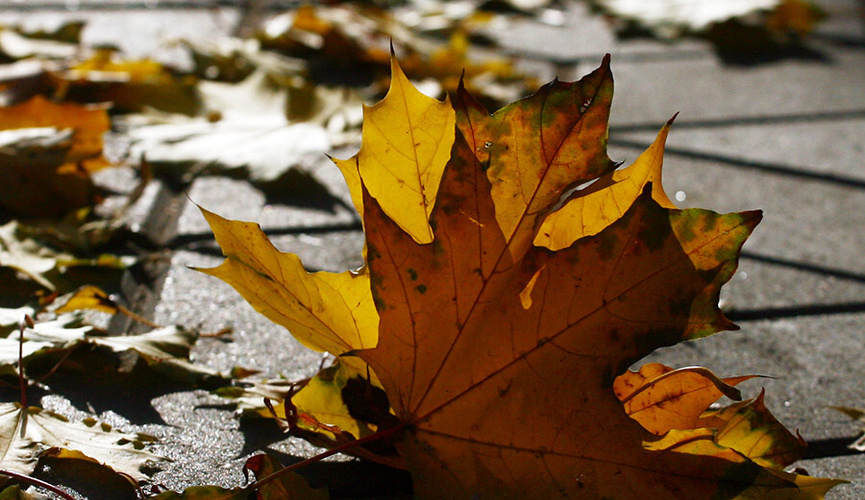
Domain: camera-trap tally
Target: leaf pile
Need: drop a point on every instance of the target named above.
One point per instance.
(252, 108)
(488, 336)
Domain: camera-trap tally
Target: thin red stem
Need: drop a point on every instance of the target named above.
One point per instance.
(37, 482)
(22, 384)
(333, 451)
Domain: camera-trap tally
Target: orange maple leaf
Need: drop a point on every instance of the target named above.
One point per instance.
(498, 345)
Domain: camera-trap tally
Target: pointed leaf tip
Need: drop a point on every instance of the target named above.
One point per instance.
(406, 142)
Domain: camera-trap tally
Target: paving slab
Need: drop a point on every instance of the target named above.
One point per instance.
(782, 136)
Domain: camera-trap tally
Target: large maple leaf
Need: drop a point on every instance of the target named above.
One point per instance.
(502, 325)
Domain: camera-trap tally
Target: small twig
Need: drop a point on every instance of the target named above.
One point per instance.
(37, 482)
(222, 333)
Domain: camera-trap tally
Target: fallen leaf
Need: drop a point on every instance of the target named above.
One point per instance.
(26, 255)
(458, 383)
(84, 474)
(668, 18)
(11, 318)
(41, 183)
(130, 85)
(41, 264)
(44, 335)
(22, 80)
(750, 429)
(48, 152)
(164, 350)
(257, 129)
(28, 432)
(68, 31)
(16, 45)
(796, 17)
(661, 399)
(89, 123)
(351, 41)
(89, 297)
(855, 414)
(498, 357)
(747, 31)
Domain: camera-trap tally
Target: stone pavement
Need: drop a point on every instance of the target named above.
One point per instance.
(786, 136)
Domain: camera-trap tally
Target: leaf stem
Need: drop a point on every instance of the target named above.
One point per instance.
(22, 383)
(386, 433)
(37, 482)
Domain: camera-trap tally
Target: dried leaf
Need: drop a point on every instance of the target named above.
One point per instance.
(325, 311)
(261, 152)
(26, 255)
(165, 350)
(130, 85)
(90, 123)
(669, 18)
(28, 432)
(89, 297)
(661, 399)
(48, 151)
(16, 45)
(498, 356)
(749, 428)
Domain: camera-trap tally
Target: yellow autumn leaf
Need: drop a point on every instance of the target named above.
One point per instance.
(750, 429)
(330, 312)
(661, 399)
(403, 170)
(90, 124)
